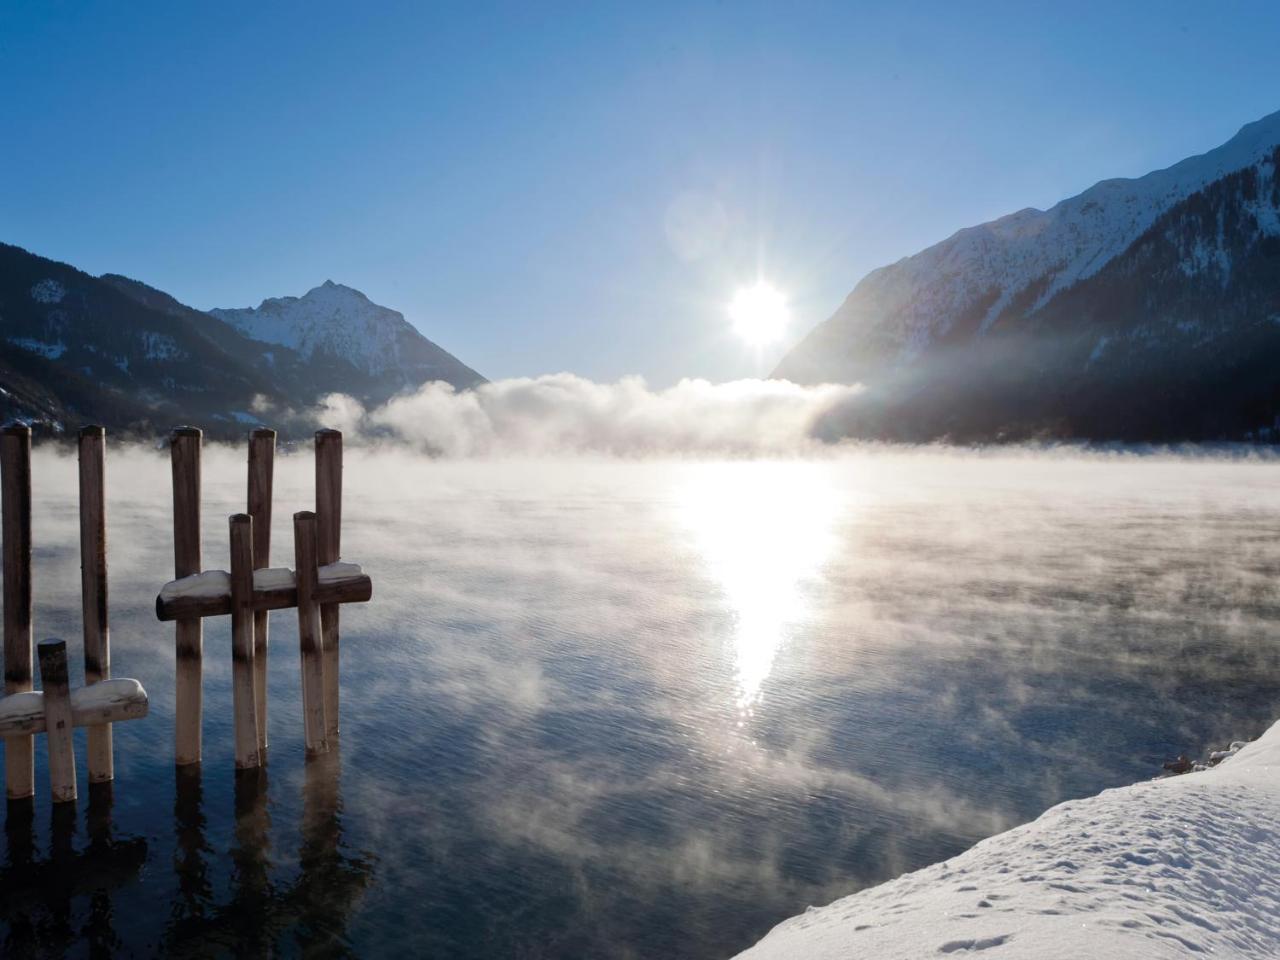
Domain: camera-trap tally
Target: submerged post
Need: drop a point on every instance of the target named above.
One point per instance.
(243, 707)
(313, 667)
(57, 720)
(262, 450)
(93, 589)
(328, 550)
(15, 494)
(184, 446)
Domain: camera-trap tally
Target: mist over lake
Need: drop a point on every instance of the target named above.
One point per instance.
(618, 708)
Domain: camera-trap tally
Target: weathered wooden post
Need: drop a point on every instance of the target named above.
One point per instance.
(57, 720)
(93, 589)
(15, 492)
(243, 701)
(262, 450)
(313, 667)
(329, 549)
(184, 446)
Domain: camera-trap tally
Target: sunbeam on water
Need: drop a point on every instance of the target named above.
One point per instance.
(763, 531)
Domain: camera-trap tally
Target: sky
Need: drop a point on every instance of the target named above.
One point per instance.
(583, 187)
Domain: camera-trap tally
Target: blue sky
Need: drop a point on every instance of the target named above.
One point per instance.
(582, 187)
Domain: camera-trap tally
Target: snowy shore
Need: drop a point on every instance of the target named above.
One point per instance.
(1168, 868)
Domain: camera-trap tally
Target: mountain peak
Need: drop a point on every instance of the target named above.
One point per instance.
(342, 324)
(1017, 263)
(330, 291)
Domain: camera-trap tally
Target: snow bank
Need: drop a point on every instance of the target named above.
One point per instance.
(1167, 868)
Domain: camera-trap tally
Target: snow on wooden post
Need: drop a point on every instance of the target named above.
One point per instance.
(329, 549)
(243, 707)
(55, 711)
(15, 492)
(93, 589)
(184, 446)
(57, 720)
(313, 666)
(262, 451)
(111, 701)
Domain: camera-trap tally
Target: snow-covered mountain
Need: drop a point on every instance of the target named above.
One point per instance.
(930, 331)
(339, 323)
(75, 348)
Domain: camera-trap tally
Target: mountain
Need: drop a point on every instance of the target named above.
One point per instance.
(75, 348)
(1141, 309)
(336, 323)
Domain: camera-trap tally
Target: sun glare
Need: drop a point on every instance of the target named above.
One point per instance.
(764, 531)
(759, 314)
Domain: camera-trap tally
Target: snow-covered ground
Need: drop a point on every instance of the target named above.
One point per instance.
(1186, 866)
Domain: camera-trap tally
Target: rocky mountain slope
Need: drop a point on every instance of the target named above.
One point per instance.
(1140, 310)
(76, 348)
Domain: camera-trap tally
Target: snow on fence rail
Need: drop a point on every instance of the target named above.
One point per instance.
(56, 710)
(317, 587)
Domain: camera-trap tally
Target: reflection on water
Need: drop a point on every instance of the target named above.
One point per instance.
(307, 910)
(57, 903)
(40, 890)
(649, 709)
(763, 530)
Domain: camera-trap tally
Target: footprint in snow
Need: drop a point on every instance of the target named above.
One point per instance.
(952, 946)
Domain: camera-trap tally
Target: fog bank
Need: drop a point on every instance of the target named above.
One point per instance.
(565, 414)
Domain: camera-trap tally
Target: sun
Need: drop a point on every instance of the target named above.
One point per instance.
(759, 314)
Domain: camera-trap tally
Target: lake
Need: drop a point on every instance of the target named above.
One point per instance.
(608, 708)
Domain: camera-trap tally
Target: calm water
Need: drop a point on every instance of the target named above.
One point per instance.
(606, 709)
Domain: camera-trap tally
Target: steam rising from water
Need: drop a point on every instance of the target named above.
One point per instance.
(566, 414)
(663, 703)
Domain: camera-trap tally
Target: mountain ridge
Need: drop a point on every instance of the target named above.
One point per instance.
(926, 325)
(113, 350)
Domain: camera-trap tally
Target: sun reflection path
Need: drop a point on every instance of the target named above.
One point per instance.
(764, 530)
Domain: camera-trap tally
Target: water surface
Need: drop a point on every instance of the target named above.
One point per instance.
(624, 709)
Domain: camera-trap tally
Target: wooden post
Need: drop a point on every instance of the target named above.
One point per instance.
(93, 589)
(243, 707)
(184, 446)
(329, 549)
(57, 720)
(15, 492)
(262, 450)
(313, 665)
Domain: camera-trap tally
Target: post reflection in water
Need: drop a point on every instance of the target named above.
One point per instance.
(191, 851)
(250, 909)
(20, 842)
(330, 882)
(232, 884)
(763, 530)
(37, 906)
(312, 908)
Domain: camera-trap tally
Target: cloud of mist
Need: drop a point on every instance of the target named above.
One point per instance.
(566, 414)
